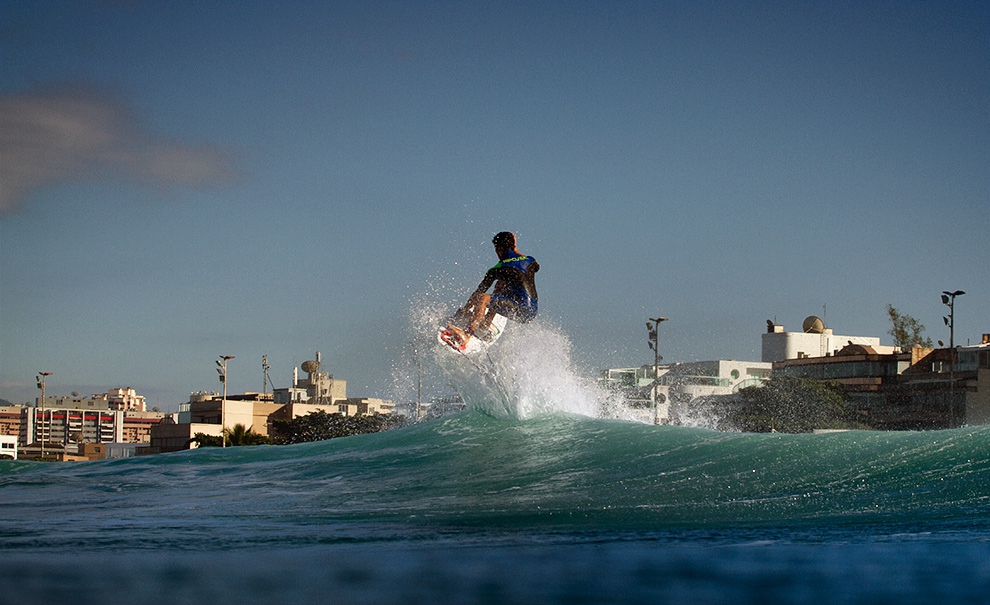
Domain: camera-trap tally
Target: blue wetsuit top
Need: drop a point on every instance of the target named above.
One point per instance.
(515, 287)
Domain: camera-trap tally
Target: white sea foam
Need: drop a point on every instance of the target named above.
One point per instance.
(527, 373)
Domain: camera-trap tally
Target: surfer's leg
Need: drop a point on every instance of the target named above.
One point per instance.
(480, 309)
(463, 328)
(487, 322)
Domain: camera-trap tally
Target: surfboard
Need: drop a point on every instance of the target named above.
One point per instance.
(477, 343)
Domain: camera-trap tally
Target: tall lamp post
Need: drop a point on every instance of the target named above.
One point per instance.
(222, 370)
(41, 385)
(949, 300)
(652, 328)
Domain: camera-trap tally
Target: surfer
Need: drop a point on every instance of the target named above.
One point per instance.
(514, 295)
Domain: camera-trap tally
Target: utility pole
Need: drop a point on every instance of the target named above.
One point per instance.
(652, 328)
(222, 370)
(41, 385)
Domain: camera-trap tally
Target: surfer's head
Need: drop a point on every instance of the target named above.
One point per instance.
(505, 240)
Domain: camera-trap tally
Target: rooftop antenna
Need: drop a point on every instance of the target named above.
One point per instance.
(264, 368)
(319, 386)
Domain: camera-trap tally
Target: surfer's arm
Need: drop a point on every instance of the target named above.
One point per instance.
(479, 296)
(487, 282)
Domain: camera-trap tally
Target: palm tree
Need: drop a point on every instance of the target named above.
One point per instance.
(239, 435)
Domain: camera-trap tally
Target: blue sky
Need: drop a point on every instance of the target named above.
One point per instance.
(183, 180)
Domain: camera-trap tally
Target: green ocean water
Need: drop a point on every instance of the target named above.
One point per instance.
(474, 501)
(526, 497)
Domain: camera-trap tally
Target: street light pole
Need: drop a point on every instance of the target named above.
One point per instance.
(949, 300)
(41, 385)
(652, 328)
(222, 370)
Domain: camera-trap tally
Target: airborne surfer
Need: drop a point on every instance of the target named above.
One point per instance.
(514, 295)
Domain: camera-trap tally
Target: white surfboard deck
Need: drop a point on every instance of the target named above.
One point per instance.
(475, 344)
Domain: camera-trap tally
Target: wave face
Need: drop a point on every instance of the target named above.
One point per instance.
(555, 473)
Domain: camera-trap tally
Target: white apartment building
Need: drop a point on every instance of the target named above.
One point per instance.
(125, 398)
(8, 446)
(815, 340)
(117, 416)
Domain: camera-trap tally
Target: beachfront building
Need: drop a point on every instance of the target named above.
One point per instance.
(102, 418)
(8, 446)
(679, 387)
(814, 340)
(10, 419)
(636, 381)
(125, 398)
(914, 390)
(689, 380)
(317, 388)
(973, 365)
(206, 412)
(254, 411)
(138, 424)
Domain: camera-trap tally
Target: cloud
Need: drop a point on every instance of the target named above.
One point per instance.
(72, 133)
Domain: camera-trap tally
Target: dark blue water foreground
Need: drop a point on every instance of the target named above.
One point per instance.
(559, 508)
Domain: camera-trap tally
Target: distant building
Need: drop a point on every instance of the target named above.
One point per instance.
(114, 417)
(889, 388)
(10, 419)
(125, 450)
(679, 386)
(168, 436)
(125, 399)
(637, 386)
(916, 390)
(137, 426)
(814, 340)
(62, 425)
(72, 452)
(8, 446)
(318, 388)
(688, 381)
(204, 413)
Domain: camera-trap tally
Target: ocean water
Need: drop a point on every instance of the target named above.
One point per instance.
(542, 492)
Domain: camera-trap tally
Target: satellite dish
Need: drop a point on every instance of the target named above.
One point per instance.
(310, 367)
(813, 325)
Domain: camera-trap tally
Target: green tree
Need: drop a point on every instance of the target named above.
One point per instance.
(790, 404)
(906, 330)
(318, 426)
(244, 436)
(204, 440)
(235, 437)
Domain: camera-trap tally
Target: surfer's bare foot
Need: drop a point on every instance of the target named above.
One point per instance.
(459, 334)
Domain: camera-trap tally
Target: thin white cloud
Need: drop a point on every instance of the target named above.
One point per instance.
(71, 133)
